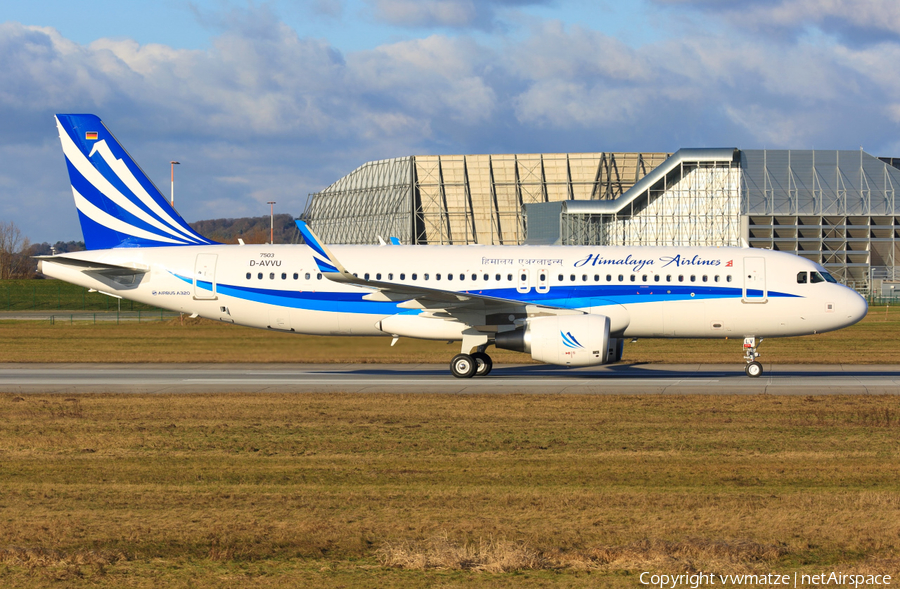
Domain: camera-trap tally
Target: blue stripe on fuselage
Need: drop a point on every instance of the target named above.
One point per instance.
(571, 297)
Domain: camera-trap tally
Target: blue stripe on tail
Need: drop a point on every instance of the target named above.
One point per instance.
(118, 205)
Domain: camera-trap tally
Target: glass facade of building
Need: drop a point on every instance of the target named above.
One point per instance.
(461, 199)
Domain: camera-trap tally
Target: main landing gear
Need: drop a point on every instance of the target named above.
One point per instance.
(754, 369)
(469, 365)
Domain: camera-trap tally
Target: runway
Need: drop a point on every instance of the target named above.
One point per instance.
(435, 378)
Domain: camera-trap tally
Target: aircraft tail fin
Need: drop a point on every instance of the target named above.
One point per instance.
(118, 205)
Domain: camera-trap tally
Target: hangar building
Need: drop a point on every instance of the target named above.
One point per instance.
(838, 208)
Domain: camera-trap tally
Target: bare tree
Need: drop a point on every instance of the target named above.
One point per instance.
(14, 261)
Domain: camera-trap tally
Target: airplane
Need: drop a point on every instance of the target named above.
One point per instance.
(563, 305)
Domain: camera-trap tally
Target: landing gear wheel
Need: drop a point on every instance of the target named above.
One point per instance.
(483, 363)
(463, 366)
(754, 369)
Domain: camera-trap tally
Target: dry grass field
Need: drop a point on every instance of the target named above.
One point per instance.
(355, 491)
(874, 340)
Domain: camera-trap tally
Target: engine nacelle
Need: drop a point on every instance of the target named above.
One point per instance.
(566, 340)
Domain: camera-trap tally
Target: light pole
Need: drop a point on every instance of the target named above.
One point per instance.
(173, 164)
(271, 204)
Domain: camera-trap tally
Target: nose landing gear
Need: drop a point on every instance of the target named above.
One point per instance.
(754, 369)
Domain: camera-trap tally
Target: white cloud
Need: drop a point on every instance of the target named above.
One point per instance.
(556, 52)
(453, 14)
(854, 20)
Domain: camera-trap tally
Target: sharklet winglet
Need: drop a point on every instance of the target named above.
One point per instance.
(330, 265)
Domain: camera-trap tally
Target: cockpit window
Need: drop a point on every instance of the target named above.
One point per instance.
(829, 278)
(801, 277)
(815, 277)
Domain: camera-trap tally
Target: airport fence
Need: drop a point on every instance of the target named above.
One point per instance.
(48, 295)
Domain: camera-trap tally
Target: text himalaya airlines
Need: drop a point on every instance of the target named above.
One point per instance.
(638, 264)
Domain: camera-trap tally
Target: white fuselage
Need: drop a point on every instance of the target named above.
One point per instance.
(646, 291)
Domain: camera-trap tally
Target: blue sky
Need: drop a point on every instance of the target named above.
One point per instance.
(273, 100)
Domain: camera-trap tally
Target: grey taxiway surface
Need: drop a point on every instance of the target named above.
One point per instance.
(435, 378)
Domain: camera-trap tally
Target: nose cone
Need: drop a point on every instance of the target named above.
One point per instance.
(852, 308)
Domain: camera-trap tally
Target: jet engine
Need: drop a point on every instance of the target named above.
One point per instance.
(566, 340)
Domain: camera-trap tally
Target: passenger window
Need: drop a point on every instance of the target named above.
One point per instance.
(609, 277)
(693, 278)
(390, 275)
(271, 276)
(426, 276)
(596, 278)
(728, 278)
(621, 278)
(560, 277)
(296, 276)
(319, 276)
(259, 276)
(307, 276)
(705, 278)
(449, 276)
(571, 278)
(668, 278)
(474, 276)
(486, 277)
(497, 277)
(801, 278)
(716, 278)
(403, 276)
(633, 278)
(656, 278)
(284, 275)
(378, 276)
(584, 277)
(436, 277)
(643, 278)
(414, 276)
(543, 277)
(681, 278)
(366, 276)
(509, 277)
(248, 276)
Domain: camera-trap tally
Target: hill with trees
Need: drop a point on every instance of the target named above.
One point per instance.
(250, 229)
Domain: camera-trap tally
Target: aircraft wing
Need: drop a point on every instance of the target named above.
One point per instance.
(470, 307)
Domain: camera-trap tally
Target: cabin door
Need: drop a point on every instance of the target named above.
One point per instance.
(755, 280)
(205, 277)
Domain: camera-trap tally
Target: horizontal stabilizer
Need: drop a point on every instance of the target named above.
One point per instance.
(95, 267)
